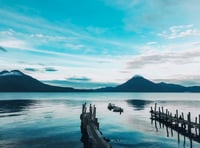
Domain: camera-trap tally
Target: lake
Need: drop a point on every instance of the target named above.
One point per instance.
(53, 119)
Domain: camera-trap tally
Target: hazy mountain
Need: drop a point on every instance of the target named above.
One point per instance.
(16, 81)
(140, 84)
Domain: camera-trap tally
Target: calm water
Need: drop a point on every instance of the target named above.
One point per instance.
(53, 119)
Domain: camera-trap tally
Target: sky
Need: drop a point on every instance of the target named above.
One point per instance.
(96, 43)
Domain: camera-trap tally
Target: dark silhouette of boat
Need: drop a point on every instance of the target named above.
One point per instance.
(115, 108)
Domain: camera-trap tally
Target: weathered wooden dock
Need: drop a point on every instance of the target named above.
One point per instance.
(177, 122)
(91, 135)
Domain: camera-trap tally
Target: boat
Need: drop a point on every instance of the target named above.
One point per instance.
(115, 108)
(111, 106)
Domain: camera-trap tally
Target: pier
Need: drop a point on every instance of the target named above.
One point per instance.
(91, 135)
(177, 122)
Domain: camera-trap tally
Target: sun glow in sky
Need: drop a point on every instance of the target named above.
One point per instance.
(101, 42)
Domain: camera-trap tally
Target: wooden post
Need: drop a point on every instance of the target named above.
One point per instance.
(166, 116)
(159, 113)
(189, 123)
(83, 106)
(90, 111)
(195, 126)
(94, 112)
(199, 125)
(155, 107)
(171, 118)
(177, 118)
(155, 115)
(182, 118)
(162, 110)
(151, 112)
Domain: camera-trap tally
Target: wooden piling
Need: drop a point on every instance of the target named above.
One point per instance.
(177, 122)
(155, 107)
(199, 125)
(189, 123)
(159, 113)
(195, 126)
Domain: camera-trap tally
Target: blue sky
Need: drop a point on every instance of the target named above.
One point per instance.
(98, 43)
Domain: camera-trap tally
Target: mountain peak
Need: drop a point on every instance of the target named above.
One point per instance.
(138, 76)
(11, 73)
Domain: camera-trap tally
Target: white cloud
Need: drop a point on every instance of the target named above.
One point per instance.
(41, 36)
(39, 33)
(180, 31)
(14, 43)
(151, 43)
(189, 54)
(168, 63)
(186, 80)
(74, 46)
(8, 32)
(156, 14)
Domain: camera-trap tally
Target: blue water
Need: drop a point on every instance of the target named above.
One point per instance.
(53, 119)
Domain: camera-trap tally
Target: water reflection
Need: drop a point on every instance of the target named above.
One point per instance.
(39, 123)
(7, 106)
(139, 104)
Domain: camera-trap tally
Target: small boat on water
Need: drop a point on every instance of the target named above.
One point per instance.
(115, 108)
(111, 106)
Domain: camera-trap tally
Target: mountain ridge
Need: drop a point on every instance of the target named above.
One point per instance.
(17, 81)
(141, 84)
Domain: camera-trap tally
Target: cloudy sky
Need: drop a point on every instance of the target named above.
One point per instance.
(101, 42)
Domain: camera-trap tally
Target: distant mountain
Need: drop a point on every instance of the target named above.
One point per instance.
(16, 81)
(140, 84)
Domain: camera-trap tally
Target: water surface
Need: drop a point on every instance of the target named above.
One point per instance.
(53, 119)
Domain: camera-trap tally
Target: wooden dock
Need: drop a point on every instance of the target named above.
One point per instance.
(91, 135)
(177, 122)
